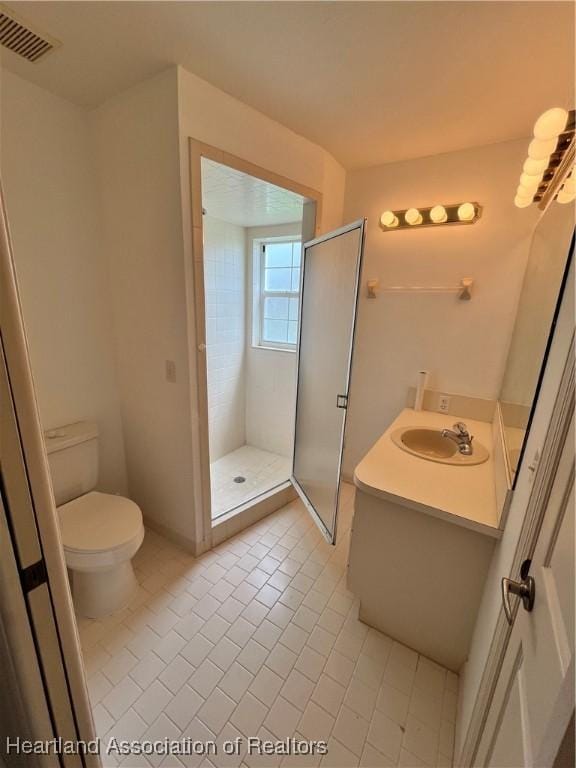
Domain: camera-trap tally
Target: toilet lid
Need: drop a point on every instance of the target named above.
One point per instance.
(99, 521)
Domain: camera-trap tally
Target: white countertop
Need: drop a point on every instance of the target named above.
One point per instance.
(464, 495)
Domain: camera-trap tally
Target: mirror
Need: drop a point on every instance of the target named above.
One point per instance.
(550, 252)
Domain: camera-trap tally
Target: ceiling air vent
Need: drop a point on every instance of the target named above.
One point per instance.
(19, 37)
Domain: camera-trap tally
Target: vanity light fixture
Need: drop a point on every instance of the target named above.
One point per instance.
(550, 158)
(436, 216)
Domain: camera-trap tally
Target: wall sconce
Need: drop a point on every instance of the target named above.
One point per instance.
(547, 172)
(438, 215)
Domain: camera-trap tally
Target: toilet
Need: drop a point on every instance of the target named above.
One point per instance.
(100, 532)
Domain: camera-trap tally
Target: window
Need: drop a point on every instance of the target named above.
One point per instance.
(278, 293)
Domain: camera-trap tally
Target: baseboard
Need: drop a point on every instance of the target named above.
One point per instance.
(176, 538)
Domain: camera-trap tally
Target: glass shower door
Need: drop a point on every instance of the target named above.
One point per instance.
(329, 295)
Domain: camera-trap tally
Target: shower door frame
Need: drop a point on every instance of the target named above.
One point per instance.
(204, 538)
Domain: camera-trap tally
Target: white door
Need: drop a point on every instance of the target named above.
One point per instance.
(39, 650)
(534, 698)
(328, 301)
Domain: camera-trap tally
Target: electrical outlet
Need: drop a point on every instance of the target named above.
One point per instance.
(443, 403)
(171, 371)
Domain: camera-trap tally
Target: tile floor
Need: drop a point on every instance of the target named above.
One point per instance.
(263, 471)
(260, 637)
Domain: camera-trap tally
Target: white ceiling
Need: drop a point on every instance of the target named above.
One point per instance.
(234, 196)
(371, 82)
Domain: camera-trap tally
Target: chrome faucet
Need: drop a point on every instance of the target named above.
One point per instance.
(461, 437)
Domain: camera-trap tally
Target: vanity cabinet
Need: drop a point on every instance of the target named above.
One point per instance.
(419, 578)
(422, 539)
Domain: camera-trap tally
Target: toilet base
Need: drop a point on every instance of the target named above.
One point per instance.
(101, 592)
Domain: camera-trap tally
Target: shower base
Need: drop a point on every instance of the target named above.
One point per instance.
(260, 472)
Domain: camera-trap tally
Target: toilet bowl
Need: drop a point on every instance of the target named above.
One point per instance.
(101, 534)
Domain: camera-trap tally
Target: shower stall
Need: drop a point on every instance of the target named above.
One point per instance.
(276, 309)
(252, 236)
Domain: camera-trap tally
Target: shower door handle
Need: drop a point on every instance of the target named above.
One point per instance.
(341, 401)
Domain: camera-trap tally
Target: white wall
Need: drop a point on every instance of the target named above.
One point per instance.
(212, 116)
(270, 374)
(49, 182)
(143, 167)
(136, 135)
(225, 286)
(463, 344)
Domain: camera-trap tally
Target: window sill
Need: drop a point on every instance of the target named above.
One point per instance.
(267, 348)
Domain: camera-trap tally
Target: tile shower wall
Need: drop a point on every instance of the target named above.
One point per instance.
(270, 399)
(224, 276)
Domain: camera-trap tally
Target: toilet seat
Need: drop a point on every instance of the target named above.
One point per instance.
(100, 530)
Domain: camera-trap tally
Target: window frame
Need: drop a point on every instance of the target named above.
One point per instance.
(260, 294)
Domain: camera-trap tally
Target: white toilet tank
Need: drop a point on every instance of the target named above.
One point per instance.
(73, 459)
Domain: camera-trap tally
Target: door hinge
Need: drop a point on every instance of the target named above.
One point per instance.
(33, 576)
(341, 401)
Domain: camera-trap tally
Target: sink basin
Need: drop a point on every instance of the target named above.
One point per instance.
(427, 443)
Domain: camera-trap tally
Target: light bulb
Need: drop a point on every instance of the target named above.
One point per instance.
(522, 202)
(530, 182)
(539, 149)
(438, 214)
(535, 167)
(413, 216)
(466, 212)
(566, 197)
(388, 219)
(551, 123)
(523, 192)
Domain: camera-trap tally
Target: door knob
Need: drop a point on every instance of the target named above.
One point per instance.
(525, 590)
